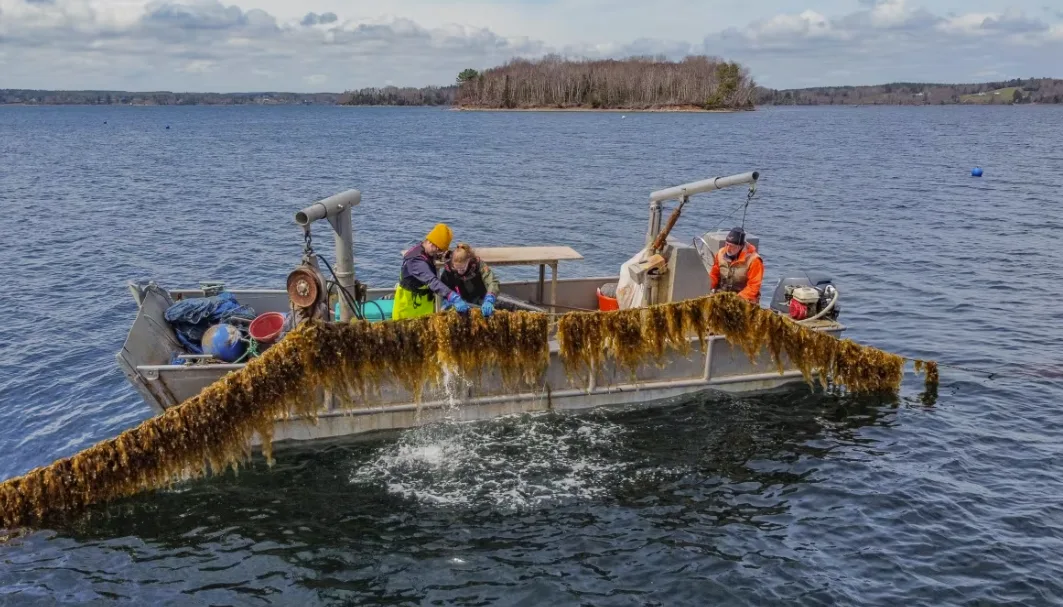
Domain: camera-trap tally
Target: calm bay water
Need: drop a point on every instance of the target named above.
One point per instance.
(789, 498)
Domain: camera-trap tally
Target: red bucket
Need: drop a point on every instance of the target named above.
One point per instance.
(266, 327)
(607, 303)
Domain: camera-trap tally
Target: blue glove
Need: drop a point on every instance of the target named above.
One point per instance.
(459, 304)
(488, 307)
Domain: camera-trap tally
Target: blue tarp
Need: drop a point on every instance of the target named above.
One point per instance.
(190, 318)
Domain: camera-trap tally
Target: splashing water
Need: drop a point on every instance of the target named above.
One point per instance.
(453, 382)
(509, 464)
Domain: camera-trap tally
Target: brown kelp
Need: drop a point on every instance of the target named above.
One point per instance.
(214, 430)
(355, 360)
(631, 337)
(207, 432)
(930, 369)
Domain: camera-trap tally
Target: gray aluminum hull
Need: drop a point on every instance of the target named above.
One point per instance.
(145, 356)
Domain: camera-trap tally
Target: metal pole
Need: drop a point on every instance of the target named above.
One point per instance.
(705, 185)
(655, 222)
(687, 190)
(337, 210)
(345, 260)
(683, 194)
(329, 207)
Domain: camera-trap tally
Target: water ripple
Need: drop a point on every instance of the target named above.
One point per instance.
(784, 499)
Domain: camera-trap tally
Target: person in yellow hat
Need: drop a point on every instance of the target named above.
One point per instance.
(419, 280)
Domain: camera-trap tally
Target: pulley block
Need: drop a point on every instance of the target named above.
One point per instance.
(305, 286)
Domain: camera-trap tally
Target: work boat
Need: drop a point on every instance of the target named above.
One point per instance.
(164, 371)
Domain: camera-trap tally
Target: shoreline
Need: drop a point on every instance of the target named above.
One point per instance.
(451, 108)
(674, 110)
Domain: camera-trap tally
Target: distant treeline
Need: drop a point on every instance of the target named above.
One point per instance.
(391, 95)
(633, 83)
(1034, 90)
(637, 83)
(35, 97)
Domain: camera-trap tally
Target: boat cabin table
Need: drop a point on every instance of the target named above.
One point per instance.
(531, 256)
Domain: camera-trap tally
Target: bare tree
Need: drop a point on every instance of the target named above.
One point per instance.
(1034, 90)
(632, 83)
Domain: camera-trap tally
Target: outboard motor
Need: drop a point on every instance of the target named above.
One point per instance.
(813, 296)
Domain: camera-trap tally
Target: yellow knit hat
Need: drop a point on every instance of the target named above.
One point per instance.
(440, 236)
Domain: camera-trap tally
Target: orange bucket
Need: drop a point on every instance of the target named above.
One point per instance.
(607, 303)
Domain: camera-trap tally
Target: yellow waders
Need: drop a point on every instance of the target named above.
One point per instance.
(411, 305)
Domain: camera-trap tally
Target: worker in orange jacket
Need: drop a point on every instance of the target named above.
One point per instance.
(738, 268)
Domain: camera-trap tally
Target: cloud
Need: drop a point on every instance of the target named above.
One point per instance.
(200, 45)
(207, 45)
(1013, 24)
(206, 15)
(788, 29)
(889, 40)
(316, 19)
(199, 66)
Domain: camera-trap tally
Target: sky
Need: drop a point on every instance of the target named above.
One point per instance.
(337, 45)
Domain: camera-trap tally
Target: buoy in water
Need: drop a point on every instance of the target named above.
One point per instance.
(976, 172)
(167, 127)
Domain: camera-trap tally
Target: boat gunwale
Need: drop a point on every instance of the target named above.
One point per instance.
(829, 326)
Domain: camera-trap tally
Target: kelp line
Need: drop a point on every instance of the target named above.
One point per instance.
(214, 429)
(633, 336)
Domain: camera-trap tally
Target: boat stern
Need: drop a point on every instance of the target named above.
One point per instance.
(150, 341)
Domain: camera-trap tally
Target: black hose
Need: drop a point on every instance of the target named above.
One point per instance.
(378, 308)
(351, 300)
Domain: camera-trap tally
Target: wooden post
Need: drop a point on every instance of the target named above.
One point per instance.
(553, 287)
(542, 279)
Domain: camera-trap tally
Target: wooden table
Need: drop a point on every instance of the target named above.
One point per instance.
(531, 256)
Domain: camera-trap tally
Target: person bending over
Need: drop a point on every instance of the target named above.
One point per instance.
(471, 278)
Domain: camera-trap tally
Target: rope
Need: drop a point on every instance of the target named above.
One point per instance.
(990, 375)
(729, 215)
(744, 205)
(250, 352)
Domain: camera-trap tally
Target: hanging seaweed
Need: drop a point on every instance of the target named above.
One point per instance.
(516, 343)
(208, 432)
(631, 337)
(930, 391)
(930, 369)
(214, 430)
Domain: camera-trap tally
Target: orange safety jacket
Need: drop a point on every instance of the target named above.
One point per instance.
(741, 275)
